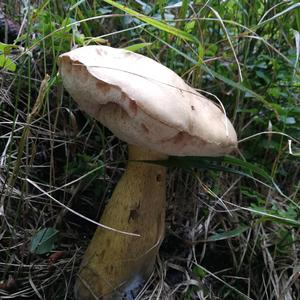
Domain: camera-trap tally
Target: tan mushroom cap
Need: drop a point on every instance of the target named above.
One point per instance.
(144, 103)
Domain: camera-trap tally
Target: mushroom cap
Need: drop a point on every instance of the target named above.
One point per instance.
(144, 103)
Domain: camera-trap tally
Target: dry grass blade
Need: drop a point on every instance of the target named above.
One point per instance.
(79, 214)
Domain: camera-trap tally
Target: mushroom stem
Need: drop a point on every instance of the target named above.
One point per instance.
(116, 265)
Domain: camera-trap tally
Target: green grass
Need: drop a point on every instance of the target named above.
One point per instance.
(232, 223)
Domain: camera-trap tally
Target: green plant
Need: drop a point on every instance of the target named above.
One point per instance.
(237, 220)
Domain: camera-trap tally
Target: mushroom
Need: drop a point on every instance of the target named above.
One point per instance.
(152, 109)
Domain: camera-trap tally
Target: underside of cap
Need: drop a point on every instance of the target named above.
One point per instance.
(144, 103)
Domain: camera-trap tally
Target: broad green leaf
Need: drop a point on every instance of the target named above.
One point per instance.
(43, 241)
(227, 234)
(199, 272)
(7, 63)
(189, 26)
(6, 48)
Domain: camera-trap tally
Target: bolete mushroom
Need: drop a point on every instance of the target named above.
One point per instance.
(152, 109)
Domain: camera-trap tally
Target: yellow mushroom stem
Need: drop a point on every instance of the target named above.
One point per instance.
(116, 265)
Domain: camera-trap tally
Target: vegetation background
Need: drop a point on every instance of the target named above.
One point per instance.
(232, 223)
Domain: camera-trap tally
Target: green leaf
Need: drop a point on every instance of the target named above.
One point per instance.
(248, 168)
(227, 234)
(271, 215)
(281, 13)
(137, 47)
(43, 241)
(155, 23)
(184, 9)
(274, 92)
(6, 48)
(76, 5)
(215, 163)
(240, 87)
(7, 63)
(241, 167)
(189, 26)
(199, 272)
